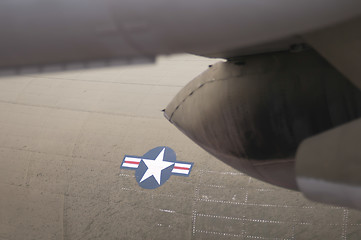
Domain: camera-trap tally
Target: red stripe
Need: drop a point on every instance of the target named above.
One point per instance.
(181, 168)
(132, 162)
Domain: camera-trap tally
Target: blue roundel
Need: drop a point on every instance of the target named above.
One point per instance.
(155, 168)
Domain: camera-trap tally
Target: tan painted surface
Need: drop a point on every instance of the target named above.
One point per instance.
(63, 136)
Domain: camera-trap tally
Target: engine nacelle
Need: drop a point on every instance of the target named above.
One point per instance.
(254, 113)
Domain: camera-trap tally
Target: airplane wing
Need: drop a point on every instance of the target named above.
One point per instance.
(292, 77)
(63, 140)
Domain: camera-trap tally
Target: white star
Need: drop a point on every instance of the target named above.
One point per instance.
(155, 167)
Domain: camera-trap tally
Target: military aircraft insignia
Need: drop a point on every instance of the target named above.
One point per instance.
(155, 167)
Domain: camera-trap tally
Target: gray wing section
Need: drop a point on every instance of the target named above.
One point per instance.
(96, 33)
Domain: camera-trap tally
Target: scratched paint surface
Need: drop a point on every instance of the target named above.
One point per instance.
(64, 135)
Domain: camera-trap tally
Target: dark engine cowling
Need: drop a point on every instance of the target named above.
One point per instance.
(254, 112)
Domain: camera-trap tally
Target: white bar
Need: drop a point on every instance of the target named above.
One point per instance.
(181, 171)
(133, 159)
(182, 165)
